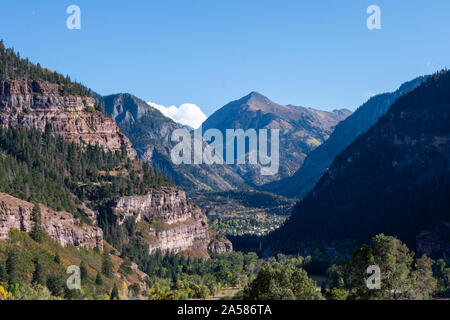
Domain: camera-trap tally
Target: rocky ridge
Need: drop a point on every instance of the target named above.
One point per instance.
(61, 226)
(40, 104)
(172, 222)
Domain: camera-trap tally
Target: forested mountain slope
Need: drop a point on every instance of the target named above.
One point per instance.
(319, 160)
(58, 148)
(394, 179)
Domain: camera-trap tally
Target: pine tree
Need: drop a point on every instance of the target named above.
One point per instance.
(98, 279)
(38, 275)
(3, 273)
(107, 266)
(57, 259)
(12, 265)
(125, 267)
(37, 233)
(55, 283)
(424, 284)
(83, 271)
(115, 293)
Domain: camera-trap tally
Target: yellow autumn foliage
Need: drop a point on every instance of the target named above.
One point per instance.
(3, 293)
(124, 290)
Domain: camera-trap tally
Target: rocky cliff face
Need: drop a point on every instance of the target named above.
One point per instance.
(189, 235)
(220, 245)
(61, 226)
(169, 205)
(38, 104)
(171, 222)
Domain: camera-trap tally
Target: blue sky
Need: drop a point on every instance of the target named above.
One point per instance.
(208, 52)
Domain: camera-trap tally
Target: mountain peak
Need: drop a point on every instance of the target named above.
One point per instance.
(255, 96)
(300, 129)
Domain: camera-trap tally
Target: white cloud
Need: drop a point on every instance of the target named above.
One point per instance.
(187, 114)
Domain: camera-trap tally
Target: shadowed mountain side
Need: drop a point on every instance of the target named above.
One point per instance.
(319, 160)
(394, 179)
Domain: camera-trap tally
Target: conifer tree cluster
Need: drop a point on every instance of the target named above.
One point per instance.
(107, 265)
(44, 168)
(37, 233)
(12, 67)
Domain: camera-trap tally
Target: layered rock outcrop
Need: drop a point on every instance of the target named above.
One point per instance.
(61, 226)
(190, 235)
(168, 204)
(37, 104)
(173, 224)
(221, 245)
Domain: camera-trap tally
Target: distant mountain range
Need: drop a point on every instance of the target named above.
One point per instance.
(301, 130)
(319, 160)
(150, 131)
(393, 179)
(384, 168)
